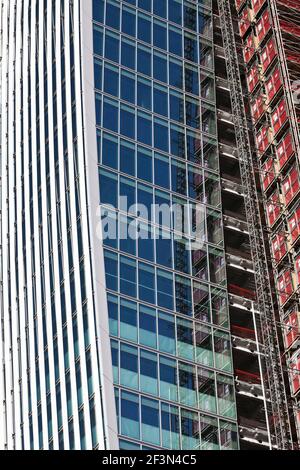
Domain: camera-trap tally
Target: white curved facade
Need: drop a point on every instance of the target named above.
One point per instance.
(55, 358)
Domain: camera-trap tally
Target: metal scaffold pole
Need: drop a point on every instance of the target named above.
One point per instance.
(278, 411)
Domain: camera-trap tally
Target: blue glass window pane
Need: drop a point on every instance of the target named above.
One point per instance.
(109, 228)
(129, 366)
(128, 87)
(162, 171)
(98, 74)
(145, 197)
(98, 40)
(150, 421)
(148, 372)
(129, 22)
(144, 94)
(183, 290)
(127, 190)
(144, 165)
(165, 289)
(130, 422)
(115, 360)
(108, 188)
(176, 107)
(110, 151)
(128, 279)
(164, 216)
(111, 80)
(128, 320)
(178, 141)
(193, 113)
(160, 8)
(128, 54)
(144, 128)
(187, 385)
(112, 46)
(168, 379)
(113, 315)
(190, 16)
(191, 80)
(98, 10)
(160, 100)
(110, 115)
(193, 146)
(175, 73)
(145, 4)
(175, 41)
(159, 35)
(166, 331)
(147, 325)
(179, 181)
(146, 243)
(190, 47)
(185, 339)
(127, 158)
(127, 243)
(111, 270)
(189, 427)
(164, 249)
(127, 122)
(144, 28)
(146, 283)
(182, 257)
(170, 427)
(184, 302)
(98, 109)
(161, 135)
(160, 68)
(113, 15)
(175, 11)
(144, 61)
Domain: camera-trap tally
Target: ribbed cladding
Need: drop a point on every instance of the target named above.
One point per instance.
(47, 306)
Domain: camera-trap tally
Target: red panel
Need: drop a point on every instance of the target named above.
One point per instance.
(257, 4)
(244, 22)
(291, 329)
(285, 286)
(279, 246)
(295, 373)
(268, 173)
(249, 48)
(253, 77)
(291, 185)
(294, 224)
(263, 25)
(285, 149)
(273, 83)
(262, 140)
(268, 54)
(279, 116)
(273, 208)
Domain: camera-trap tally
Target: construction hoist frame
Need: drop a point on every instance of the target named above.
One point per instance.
(278, 410)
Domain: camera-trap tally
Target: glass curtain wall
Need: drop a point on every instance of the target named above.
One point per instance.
(157, 144)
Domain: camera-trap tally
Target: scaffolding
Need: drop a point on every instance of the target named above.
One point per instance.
(277, 404)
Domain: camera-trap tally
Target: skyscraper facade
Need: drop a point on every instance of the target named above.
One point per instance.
(129, 304)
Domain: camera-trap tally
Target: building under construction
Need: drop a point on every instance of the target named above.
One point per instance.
(257, 65)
